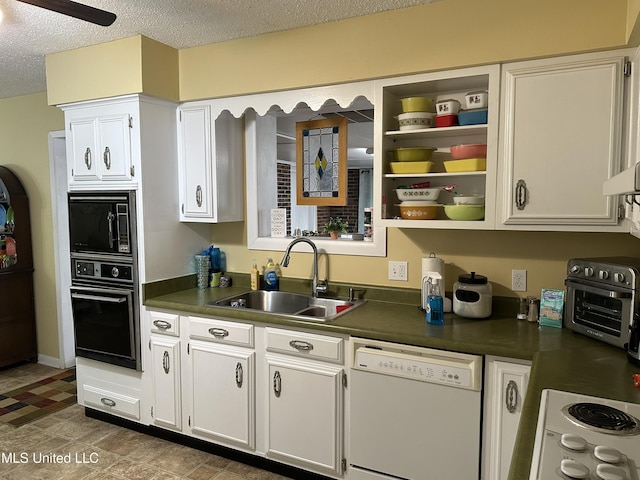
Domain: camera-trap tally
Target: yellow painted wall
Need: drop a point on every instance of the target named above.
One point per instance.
(25, 123)
(131, 65)
(436, 36)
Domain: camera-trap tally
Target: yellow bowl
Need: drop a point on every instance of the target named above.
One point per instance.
(422, 154)
(464, 212)
(467, 165)
(410, 167)
(415, 104)
(419, 212)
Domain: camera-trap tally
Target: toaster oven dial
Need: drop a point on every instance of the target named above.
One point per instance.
(618, 277)
(575, 269)
(115, 273)
(603, 274)
(588, 271)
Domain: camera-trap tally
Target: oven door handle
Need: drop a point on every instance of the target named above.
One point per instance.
(100, 298)
(605, 292)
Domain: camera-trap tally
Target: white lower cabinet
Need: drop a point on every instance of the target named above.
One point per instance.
(273, 392)
(166, 409)
(109, 388)
(505, 386)
(165, 350)
(305, 414)
(222, 393)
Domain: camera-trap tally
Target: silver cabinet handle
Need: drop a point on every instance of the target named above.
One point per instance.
(239, 375)
(99, 298)
(301, 346)
(219, 332)
(521, 194)
(108, 402)
(511, 396)
(165, 362)
(162, 324)
(277, 383)
(199, 195)
(87, 158)
(106, 157)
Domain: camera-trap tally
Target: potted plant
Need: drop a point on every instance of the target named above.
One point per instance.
(336, 226)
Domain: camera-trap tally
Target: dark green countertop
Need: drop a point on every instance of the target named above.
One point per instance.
(561, 360)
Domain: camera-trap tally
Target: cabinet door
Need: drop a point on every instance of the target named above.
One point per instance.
(305, 414)
(222, 396)
(195, 162)
(506, 387)
(165, 359)
(114, 139)
(562, 130)
(83, 147)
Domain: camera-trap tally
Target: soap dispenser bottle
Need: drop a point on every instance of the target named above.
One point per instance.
(270, 276)
(255, 277)
(435, 303)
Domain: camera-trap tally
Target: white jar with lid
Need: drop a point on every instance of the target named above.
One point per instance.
(472, 296)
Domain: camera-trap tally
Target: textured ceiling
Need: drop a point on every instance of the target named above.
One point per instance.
(28, 33)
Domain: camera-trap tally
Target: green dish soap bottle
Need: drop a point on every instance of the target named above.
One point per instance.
(270, 276)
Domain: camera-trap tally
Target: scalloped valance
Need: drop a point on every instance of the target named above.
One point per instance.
(314, 97)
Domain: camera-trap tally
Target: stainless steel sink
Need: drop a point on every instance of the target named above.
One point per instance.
(296, 305)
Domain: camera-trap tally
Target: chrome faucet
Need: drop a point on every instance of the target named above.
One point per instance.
(318, 286)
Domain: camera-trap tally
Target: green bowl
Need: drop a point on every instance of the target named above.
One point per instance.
(464, 212)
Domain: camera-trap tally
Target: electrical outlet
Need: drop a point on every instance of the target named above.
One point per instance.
(398, 271)
(519, 280)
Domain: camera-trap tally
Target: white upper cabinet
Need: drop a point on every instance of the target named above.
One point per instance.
(99, 143)
(453, 84)
(562, 135)
(211, 164)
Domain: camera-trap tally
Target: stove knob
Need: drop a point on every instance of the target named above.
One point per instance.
(607, 454)
(618, 277)
(603, 274)
(115, 273)
(575, 269)
(574, 469)
(573, 442)
(610, 472)
(588, 272)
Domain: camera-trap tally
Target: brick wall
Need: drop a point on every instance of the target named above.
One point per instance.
(348, 213)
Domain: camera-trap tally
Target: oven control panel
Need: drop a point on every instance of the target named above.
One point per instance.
(605, 271)
(102, 271)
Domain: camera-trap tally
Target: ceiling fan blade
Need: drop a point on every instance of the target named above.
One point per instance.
(76, 10)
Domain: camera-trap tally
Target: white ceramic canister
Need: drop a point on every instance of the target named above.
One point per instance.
(472, 296)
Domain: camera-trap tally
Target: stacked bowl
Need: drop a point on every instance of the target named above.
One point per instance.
(465, 207)
(412, 160)
(470, 157)
(418, 201)
(416, 113)
(477, 108)
(447, 112)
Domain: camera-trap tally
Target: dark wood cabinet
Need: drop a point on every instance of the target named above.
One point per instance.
(17, 310)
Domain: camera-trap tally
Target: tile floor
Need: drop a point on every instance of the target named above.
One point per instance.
(95, 450)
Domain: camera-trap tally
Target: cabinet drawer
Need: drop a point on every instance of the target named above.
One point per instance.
(305, 344)
(111, 402)
(215, 330)
(165, 323)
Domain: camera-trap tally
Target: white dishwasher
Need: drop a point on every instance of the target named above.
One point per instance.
(415, 412)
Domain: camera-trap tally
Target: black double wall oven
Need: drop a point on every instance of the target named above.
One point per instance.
(104, 279)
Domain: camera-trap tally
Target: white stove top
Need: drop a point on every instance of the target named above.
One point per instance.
(566, 449)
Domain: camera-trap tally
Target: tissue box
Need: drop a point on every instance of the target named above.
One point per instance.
(551, 307)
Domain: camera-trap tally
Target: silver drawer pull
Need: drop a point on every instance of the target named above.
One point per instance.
(108, 402)
(165, 362)
(301, 346)
(219, 332)
(239, 375)
(277, 384)
(162, 324)
(511, 396)
(87, 158)
(106, 157)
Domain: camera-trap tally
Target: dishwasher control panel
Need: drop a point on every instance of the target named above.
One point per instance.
(417, 363)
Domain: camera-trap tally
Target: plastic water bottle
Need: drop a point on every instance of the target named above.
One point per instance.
(435, 303)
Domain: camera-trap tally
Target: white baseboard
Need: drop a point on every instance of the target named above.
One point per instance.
(56, 362)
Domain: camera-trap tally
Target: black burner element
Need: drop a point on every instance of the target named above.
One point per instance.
(603, 418)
